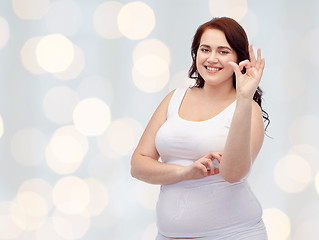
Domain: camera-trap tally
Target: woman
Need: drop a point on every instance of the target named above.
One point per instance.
(208, 137)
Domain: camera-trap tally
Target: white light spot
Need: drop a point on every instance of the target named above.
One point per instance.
(147, 194)
(1, 127)
(55, 53)
(309, 153)
(98, 196)
(180, 79)
(229, 8)
(152, 47)
(71, 226)
(28, 146)
(91, 117)
(123, 135)
(76, 67)
(47, 232)
(59, 103)
(66, 151)
(38, 186)
(96, 86)
(136, 20)
(105, 19)
(292, 173)
(29, 58)
(64, 17)
(71, 195)
(150, 73)
(310, 47)
(30, 9)
(307, 230)
(8, 229)
(277, 224)
(4, 32)
(150, 232)
(29, 210)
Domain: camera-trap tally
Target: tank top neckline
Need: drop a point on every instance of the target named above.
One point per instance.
(182, 95)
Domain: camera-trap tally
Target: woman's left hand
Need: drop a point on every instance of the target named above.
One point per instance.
(247, 83)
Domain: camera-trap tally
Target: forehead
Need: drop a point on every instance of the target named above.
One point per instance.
(214, 37)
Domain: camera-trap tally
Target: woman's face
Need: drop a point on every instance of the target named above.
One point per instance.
(213, 56)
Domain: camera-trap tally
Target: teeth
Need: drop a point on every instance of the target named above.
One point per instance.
(212, 69)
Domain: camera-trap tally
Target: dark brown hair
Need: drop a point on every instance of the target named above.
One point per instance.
(237, 39)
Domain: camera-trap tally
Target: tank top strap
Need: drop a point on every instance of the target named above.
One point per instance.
(175, 101)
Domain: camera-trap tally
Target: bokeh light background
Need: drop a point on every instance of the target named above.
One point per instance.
(80, 80)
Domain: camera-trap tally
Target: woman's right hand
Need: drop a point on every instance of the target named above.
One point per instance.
(203, 167)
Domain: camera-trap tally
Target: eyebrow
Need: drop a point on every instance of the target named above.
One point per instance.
(219, 47)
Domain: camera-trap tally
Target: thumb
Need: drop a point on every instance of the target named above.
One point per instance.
(235, 68)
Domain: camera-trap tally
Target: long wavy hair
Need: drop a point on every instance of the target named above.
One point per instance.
(237, 39)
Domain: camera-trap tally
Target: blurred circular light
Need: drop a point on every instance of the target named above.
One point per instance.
(1, 127)
(307, 230)
(150, 73)
(136, 20)
(105, 19)
(28, 146)
(66, 150)
(152, 47)
(230, 8)
(308, 152)
(76, 67)
(91, 117)
(73, 226)
(71, 195)
(8, 229)
(98, 196)
(64, 17)
(277, 224)
(292, 173)
(29, 210)
(30, 9)
(96, 86)
(180, 79)
(59, 103)
(38, 186)
(150, 232)
(55, 53)
(147, 194)
(4, 32)
(47, 232)
(123, 134)
(29, 58)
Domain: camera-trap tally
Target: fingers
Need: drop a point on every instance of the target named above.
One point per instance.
(252, 54)
(235, 68)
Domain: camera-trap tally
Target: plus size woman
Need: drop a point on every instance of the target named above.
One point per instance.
(207, 137)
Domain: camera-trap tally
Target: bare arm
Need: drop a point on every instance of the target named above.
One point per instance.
(246, 132)
(145, 165)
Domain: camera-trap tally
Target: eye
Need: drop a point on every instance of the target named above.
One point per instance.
(223, 52)
(205, 50)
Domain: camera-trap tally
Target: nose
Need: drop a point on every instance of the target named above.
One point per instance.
(212, 58)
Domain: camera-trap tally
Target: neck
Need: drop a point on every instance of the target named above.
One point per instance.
(217, 93)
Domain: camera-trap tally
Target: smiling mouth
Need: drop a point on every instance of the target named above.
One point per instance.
(213, 69)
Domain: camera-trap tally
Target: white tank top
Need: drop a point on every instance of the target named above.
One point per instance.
(203, 207)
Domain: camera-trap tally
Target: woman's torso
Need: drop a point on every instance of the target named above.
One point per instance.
(208, 206)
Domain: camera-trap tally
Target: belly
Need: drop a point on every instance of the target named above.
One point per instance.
(185, 210)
